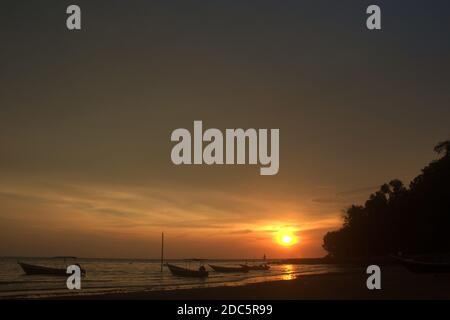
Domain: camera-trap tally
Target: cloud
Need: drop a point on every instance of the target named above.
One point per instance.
(244, 231)
(158, 207)
(133, 213)
(346, 196)
(357, 191)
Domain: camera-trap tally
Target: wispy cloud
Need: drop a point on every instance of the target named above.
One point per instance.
(345, 197)
(129, 212)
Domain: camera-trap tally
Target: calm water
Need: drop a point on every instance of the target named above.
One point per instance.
(106, 275)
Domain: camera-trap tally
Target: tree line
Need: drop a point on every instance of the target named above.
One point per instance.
(396, 218)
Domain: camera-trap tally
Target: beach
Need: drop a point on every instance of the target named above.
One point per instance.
(397, 283)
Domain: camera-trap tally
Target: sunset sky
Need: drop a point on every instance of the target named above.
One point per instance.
(86, 118)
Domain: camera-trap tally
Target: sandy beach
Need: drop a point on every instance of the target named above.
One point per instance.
(397, 283)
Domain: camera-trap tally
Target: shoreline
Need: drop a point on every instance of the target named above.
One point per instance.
(397, 283)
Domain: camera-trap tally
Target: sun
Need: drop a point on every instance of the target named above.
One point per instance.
(286, 238)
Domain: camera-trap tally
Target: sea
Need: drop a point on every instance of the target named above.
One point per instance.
(130, 275)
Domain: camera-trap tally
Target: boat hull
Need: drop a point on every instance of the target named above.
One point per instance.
(30, 269)
(425, 267)
(183, 272)
(257, 267)
(224, 269)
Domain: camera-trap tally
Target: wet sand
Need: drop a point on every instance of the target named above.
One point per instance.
(396, 283)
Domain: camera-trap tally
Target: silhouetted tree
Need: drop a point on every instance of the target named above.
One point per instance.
(442, 147)
(396, 218)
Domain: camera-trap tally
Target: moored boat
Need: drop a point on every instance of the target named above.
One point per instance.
(256, 267)
(31, 269)
(417, 266)
(184, 272)
(229, 269)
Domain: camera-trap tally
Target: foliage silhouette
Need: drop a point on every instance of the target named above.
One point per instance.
(399, 219)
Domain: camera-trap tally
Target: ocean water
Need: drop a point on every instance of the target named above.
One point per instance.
(121, 275)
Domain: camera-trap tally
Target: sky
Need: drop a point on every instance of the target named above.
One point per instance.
(86, 119)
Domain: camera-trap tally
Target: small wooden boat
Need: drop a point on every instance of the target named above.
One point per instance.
(256, 267)
(227, 269)
(425, 267)
(184, 272)
(41, 270)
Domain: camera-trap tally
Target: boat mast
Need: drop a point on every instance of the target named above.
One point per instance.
(162, 250)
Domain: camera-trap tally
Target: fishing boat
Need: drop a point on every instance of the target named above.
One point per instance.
(30, 269)
(184, 272)
(256, 267)
(229, 269)
(424, 267)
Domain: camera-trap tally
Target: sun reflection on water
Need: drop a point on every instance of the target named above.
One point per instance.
(289, 273)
